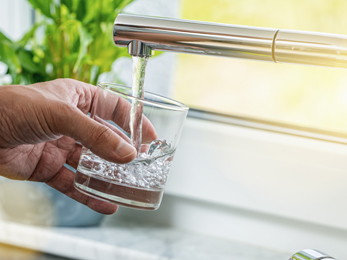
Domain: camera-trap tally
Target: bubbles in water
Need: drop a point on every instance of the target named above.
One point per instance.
(158, 147)
(99, 167)
(147, 171)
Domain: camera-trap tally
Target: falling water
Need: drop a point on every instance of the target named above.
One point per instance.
(139, 69)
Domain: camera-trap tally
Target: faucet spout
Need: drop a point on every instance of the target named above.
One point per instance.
(143, 34)
(138, 48)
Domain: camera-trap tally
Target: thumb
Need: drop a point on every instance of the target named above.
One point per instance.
(100, 139)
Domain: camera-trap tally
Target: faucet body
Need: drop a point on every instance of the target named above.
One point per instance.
(311, 254)
(143, 34)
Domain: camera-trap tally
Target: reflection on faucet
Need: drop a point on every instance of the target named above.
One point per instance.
(141, 34)
(310, 254)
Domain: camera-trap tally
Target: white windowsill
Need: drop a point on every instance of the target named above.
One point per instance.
(273, 173)
(125, 240)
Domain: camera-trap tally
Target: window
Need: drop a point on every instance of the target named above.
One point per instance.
(16, 17)
(304, 96)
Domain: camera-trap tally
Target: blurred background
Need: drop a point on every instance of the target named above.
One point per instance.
(279, 184)
(304, 96)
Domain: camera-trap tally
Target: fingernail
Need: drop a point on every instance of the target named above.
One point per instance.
(125, 150)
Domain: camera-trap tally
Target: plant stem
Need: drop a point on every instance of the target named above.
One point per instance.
(55, 58)
(85, 73)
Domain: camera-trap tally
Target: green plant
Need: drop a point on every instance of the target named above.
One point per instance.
(69, 39)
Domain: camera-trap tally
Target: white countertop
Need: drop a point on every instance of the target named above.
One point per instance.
(122, 239)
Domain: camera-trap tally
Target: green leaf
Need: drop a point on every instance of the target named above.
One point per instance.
(27, 37)
(3, 37)
(157, 53)
(71, 58)
(85, 40)
(26, 60)
(26, 79)
(80, 9)
(93, 10)
(68, 4)
(71, 27)
(9, 57)
(75, 4)
(44, 6)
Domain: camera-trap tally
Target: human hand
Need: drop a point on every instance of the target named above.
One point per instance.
(39, 126)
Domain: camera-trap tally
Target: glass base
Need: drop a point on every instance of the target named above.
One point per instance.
(146, 199)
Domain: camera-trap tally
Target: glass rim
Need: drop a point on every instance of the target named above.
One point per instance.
(173, 104)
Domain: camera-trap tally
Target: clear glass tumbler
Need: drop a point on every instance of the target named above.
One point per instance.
(140, 183)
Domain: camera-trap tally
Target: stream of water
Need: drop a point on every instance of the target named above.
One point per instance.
(139, 70)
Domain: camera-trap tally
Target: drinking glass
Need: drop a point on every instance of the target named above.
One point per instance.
(139, 183)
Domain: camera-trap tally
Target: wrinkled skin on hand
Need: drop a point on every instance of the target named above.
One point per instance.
(39, 127)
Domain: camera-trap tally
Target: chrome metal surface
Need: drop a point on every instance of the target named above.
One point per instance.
(244, 42)
(137, 48)
(320, 49)
(310, 254)
(195, 37)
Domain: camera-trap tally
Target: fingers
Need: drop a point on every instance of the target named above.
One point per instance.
(63, 182)
(100, 139)
(117, 109)
(148, 132)
(74, 157)
(113, 128)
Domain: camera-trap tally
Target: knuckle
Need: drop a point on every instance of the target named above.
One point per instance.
(61, 110)
(65, 81)
(101, 134)
(59, 81)
(60, 115)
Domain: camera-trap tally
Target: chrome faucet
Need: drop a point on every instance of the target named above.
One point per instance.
(144, 34)
(311, 254)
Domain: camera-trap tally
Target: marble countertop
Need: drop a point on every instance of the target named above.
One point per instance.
(122, 239)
